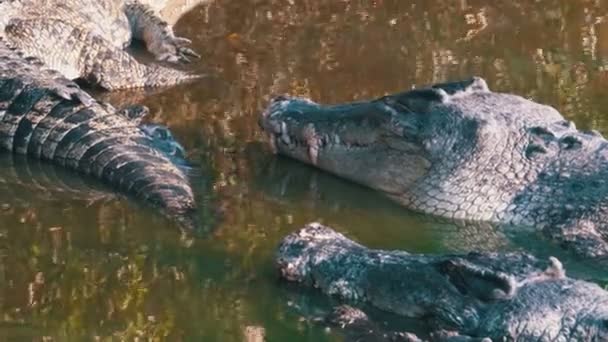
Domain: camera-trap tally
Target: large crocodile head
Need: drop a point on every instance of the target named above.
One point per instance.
(432, 149)
(503, 296)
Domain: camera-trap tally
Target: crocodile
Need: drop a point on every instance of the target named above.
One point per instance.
(49, 117)
(461, 151)
(476, 296)
(84, 39)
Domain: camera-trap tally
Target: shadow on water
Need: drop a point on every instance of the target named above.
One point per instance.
(76, 267)
(309, 194)
(24, 180)
(366, 215)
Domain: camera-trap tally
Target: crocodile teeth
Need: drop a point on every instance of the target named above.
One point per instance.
(273, 143)
(285, 134)
(313, 154)
(555, 269)
(312, 140)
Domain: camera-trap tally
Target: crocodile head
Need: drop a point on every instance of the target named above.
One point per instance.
(410, 144)
(503, 296)
(365, 142)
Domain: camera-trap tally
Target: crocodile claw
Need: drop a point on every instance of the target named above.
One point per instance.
(186, 53)
(175, 50)
(63, 87)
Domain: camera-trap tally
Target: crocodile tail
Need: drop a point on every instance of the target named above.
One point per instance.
(88, 137)
(160, 76)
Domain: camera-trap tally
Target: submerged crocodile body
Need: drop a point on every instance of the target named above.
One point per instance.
(46, 116)
(501, 296)
(84, 39)
(25, 180)
(461, 151)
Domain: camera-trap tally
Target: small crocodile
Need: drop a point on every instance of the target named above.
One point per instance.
(48, 117)
(470, 297)
(84, 39)
(461, 151)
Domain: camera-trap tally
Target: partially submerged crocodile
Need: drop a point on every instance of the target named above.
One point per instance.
(84, 39)
(46, 116)
(503, 296)
(461, 151)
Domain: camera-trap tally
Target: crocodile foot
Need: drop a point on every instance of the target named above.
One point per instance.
(174, 50)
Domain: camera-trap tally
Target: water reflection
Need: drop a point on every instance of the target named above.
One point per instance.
(306, 194)
(87, 264)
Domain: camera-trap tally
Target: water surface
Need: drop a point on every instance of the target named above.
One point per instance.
(86, 263)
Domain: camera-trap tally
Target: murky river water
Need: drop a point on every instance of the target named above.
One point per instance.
(79, 263)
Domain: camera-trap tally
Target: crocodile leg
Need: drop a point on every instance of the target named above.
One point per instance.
(158, 35)
(86, 55)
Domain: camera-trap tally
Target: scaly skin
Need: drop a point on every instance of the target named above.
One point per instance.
(460, 151)
(84, 39)
(501, 296)
(48, 117)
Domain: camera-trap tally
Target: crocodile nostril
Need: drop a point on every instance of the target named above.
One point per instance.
(571, 142)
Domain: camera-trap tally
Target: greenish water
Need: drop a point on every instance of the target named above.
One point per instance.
(86, 264)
